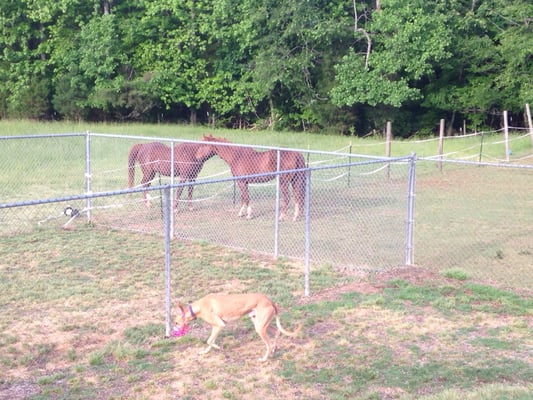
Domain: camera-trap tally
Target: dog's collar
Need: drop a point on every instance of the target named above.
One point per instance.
(193, 315)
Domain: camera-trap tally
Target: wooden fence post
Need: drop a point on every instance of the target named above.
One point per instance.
(441, 142)
(388, 146)
(528, 114)
(506, 135)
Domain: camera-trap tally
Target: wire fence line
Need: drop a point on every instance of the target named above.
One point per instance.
(360, 212)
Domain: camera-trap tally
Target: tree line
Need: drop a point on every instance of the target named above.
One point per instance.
(317, 65)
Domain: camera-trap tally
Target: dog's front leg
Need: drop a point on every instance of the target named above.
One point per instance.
(211, 341)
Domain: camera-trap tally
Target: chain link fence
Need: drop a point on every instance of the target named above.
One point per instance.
(476, 217)
(358, 215)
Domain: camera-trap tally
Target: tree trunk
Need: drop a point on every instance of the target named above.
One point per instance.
(450, 126)
(272, 116)
(107, 7)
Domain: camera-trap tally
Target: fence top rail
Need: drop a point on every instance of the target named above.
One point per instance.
(43, 135)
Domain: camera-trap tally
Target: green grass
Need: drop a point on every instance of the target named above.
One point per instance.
(91, 321)
(467, 147)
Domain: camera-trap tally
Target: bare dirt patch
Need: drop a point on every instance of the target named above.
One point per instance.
(375, 283)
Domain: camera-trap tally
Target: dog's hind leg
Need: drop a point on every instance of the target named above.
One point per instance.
(261, 323)
(274, 342)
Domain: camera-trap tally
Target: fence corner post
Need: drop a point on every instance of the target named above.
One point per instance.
(409, 239)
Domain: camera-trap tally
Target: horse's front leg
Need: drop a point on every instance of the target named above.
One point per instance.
(145, 182)
(296, 211)
(245, 200)
(285, 199)
(179, 191)
(189, 197)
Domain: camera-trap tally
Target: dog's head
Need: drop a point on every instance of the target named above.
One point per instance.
(187, 314)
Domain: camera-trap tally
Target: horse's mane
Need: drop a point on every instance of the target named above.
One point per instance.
(211, 138)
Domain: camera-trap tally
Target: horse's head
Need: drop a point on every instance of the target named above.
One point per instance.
(208, 150)
(205, 151)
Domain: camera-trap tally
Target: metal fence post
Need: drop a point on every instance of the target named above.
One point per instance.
(167, 211)
(88, 189)
(409, 240)
(276, 217)
(307, 256)
(173, 203)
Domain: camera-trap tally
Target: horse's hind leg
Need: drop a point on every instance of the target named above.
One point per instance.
(189, 197)
(298, 188)
(245, 201)
(286, 198)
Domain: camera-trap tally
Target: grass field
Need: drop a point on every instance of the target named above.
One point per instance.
(82, 311)
(492, 148)
(83, 317)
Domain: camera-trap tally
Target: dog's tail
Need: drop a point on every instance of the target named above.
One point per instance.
(285, 332)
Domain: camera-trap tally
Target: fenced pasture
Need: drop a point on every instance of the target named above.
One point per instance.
(353, 199)
(476, 217)
(466, 215)
(82, 308)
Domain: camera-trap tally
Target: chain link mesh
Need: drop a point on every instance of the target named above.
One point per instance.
(477, 218)
(344, 203)
(467, 216)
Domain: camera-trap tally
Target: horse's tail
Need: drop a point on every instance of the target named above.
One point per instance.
(299, 181)
(132, 157)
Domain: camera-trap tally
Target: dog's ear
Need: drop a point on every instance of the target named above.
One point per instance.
(181, 306)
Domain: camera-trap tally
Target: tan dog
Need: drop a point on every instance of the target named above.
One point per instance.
(218, 309)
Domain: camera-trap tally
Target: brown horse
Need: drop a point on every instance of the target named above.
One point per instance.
(246, 161)
(155, 158)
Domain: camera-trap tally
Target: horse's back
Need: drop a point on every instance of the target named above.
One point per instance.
(186, 151)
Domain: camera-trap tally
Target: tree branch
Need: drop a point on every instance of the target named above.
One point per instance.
(367, 36)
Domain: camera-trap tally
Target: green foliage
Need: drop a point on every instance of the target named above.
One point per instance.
(306, 64)
(408, 40)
